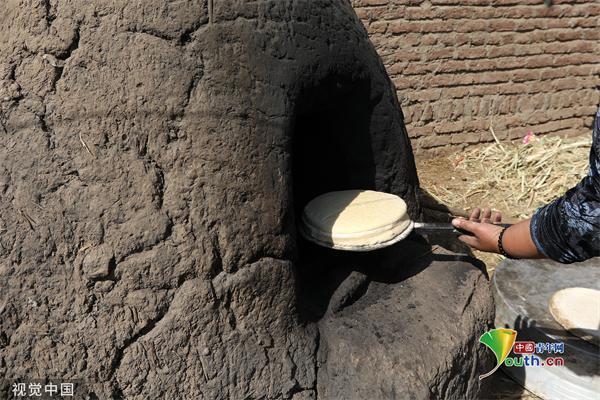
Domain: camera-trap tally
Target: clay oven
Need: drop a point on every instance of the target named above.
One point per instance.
(154, 156)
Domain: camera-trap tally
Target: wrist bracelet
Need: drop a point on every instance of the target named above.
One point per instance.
(501, 248)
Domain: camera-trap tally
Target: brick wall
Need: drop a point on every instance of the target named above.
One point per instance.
(459, 65)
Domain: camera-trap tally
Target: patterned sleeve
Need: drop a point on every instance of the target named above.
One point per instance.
(568, 229)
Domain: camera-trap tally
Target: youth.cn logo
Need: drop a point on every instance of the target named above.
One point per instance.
(501, 342)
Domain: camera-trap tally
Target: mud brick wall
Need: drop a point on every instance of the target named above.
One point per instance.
(459, 66)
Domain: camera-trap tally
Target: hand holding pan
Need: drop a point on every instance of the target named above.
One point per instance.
(363, 220)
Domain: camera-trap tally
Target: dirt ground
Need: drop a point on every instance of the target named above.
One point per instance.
(440, 174)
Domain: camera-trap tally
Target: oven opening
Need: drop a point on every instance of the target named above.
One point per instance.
(331, 150)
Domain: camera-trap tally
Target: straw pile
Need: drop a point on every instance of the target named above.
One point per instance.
(513, 177)
(517, 177)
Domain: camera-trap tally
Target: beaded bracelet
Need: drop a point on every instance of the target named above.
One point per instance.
(501, 248)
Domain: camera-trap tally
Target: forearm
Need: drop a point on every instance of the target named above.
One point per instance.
(517, 241)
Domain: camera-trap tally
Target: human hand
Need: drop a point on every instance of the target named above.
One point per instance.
(481, 225)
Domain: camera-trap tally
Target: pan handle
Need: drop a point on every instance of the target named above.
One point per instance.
(444, 228)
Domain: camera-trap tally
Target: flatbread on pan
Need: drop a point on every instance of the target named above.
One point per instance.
(356, 220)
(578, 310)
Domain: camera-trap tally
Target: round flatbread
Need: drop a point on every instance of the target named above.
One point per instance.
(356, 220)
(578, 310)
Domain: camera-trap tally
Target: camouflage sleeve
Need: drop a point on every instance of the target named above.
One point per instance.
(568, 229)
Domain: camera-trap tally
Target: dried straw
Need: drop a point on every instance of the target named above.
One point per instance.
(515, 177)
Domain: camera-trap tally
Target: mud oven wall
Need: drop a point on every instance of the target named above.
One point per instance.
(153, 159)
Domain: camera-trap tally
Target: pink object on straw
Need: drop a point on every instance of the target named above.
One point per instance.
(529, 137)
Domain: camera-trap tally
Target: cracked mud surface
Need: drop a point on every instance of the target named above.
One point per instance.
(147, 232)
